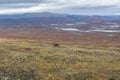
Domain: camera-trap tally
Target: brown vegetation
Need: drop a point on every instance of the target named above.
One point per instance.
(28, 54)
(52, 36)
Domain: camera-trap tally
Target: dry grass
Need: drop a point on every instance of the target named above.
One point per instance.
(36, 61)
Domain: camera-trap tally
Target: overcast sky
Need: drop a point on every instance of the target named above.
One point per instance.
(81, 7)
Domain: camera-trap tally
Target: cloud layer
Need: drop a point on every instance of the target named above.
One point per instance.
(84, 7)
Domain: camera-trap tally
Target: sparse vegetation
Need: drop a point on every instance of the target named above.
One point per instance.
(36, 61)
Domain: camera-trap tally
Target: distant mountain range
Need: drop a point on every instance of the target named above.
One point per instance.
(46, 19)
(52, 15)
(33, 15)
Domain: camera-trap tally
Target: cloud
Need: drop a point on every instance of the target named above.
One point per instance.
(23, 1)
(38, 8)
(60, 6)
(18, 5)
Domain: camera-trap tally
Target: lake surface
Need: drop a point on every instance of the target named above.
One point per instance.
(69, 29)
(95, 30)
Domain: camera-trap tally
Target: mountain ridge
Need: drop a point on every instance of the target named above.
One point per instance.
(52, 15)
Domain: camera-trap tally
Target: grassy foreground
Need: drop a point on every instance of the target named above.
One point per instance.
(35, 61)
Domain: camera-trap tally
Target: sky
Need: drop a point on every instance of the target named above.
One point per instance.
(79, 7)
